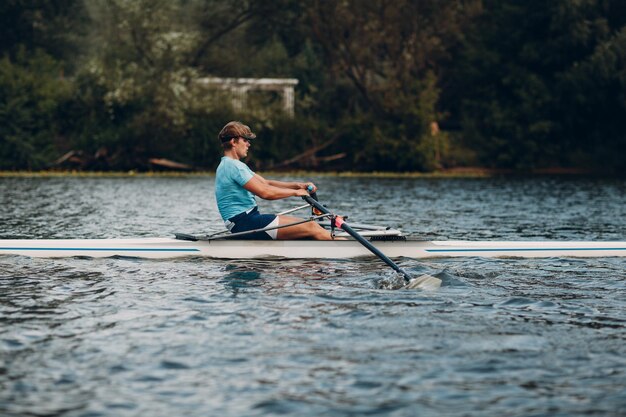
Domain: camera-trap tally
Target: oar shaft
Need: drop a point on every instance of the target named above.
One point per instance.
(359, 238)
(374, 249)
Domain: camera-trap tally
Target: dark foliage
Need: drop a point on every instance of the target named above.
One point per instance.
(393, 86)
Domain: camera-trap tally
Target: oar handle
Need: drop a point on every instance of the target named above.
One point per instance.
(313, 194)
(346, 228)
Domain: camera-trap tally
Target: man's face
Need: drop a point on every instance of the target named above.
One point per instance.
(241, 146)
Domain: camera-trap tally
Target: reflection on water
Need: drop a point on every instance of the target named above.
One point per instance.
(200, 337)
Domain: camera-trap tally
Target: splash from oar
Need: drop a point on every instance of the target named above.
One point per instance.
(424, 282)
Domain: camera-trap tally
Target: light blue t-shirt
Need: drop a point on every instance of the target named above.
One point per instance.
(232, 198)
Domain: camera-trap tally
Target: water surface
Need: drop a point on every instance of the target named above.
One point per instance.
(197, 337)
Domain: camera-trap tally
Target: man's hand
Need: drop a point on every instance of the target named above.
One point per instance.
(301, 192)
(309, 186)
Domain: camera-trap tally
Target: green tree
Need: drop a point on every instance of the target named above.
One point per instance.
(55, 26)
(30, 95)
(391, 53)
(538, 84)
(148, 56)
(138, 68)
(592, 98)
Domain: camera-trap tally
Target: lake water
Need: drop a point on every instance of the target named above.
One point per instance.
(203, 337)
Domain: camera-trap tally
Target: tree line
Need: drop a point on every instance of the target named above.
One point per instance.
(384, 85)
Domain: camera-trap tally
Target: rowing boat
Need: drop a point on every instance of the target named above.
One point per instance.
(361, 240)
(392, 246)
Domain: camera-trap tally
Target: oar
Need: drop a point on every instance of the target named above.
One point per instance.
(423, 281)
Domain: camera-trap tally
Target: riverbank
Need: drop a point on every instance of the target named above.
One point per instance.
(466, 172)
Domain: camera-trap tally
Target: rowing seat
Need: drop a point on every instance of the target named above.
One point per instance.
(387, 238)
(184, 236)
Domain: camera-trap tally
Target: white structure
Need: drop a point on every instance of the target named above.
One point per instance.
(239, 88)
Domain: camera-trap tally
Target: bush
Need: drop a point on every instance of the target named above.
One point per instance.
(31, 91)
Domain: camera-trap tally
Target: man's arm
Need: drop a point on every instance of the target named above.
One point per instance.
(266, 189)
(284, 184)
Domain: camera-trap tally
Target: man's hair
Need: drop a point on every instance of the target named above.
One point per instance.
(234, 129)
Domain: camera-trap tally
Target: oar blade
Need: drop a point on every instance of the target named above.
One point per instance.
(424, 282)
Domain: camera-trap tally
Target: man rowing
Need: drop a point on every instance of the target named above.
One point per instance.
(236, 186)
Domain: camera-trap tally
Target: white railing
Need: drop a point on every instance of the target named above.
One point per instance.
(239, 87)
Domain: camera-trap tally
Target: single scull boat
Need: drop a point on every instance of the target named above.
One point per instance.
(393, 246)
(361, 240)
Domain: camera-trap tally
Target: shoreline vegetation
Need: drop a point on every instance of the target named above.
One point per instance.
(469, 172)
(427, 86)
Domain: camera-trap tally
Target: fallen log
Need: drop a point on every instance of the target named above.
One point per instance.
(168, 164)
(308, 154)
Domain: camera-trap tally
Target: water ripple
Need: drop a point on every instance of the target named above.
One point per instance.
(195, 337)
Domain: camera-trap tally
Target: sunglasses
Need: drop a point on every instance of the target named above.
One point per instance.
(247, 138)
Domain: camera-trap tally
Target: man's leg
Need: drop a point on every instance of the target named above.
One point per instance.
(308, 230)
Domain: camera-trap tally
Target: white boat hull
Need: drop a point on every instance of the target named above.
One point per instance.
(302, 249)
